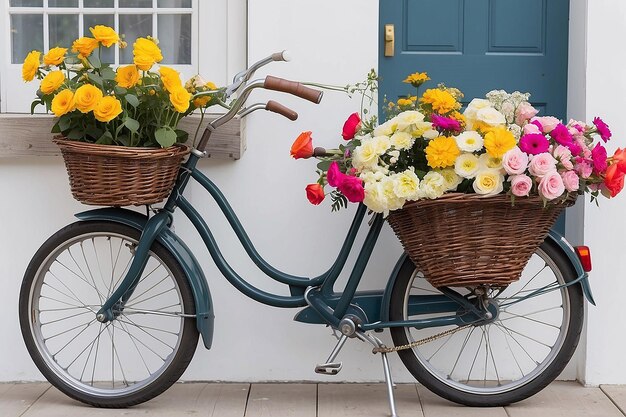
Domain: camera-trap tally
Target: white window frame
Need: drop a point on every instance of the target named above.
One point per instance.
(219, 46)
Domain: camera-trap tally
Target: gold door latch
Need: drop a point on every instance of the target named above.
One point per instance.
(389, 40)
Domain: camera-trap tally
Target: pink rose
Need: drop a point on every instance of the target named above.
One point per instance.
(531, 128)
(334, 176)
(570, 180)
(583, 167)
(524, 113)
(547, 122)
(521, 185)
(352, 188)
(515, 161)
(564, 155)
(551, 186)
(542, 164)
(351, 126)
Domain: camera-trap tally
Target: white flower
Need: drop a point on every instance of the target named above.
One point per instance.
(469, 141)
(516, 130)
(451, 178)
(392, 200)
(406, 185)
(490, 162)
(430, 134)
(374, 198)
(490, 116)
(467, 165)
(402, 140)
(387, 128)
(433, 185)
(408, 118)
(471, 110)
(380, 143)
(365, 155)
(488, 182)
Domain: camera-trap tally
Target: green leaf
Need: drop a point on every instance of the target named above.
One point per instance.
(181, 136)
(75, 134)
(324, 165)
(132, 100)
(95, 78)
(35, 104)
(124, 140)
(64, 123)
(105, 139)
(119, 90)
(107, 73)
(131, 124)
(56, 128)
(94, 61)
(165, 136)
(93, 131)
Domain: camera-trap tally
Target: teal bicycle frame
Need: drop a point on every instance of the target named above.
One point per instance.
(324, 305)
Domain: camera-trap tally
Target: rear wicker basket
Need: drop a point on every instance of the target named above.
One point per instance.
(107, 175)
(467, 239)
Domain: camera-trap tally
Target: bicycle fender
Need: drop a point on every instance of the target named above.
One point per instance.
(195, 276)
(554, 237)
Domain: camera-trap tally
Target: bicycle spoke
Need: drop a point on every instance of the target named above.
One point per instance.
(493, 359)
(83, 351)
(132, 323)
(45, 339)
(64, 318)
(545, 265)
(71, 340)
(480, 343)
(440, 347)
(163, 279)
(132, 339)
(78, 276)
(150, 328)
(527, 337)
(515, 316)
(93, 342)
(467, 338)
(506, 332)
(511, 351)
(152, 297)
(140, 341)
(114, 356)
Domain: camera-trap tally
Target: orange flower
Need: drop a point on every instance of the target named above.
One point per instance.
(315, 193)
(303, 146)
(614, 179)
(84, 46)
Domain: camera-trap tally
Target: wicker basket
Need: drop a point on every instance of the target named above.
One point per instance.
(467, 239)
(107, 175)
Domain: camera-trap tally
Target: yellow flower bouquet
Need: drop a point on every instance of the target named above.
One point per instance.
(131, 106)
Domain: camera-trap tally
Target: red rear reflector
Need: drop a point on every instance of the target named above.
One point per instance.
(584, 254)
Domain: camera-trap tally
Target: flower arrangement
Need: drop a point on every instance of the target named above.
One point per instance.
(131, 106)
(497, 145)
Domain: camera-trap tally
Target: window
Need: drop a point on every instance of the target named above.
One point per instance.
(180, 25)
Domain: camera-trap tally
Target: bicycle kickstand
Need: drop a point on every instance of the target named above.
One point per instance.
(386, 369)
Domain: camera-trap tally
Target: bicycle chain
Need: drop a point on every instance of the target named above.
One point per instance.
(384, 349)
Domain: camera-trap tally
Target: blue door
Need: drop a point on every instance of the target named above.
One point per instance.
(478, 46)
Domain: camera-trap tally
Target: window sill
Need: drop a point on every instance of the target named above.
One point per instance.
(29, 135)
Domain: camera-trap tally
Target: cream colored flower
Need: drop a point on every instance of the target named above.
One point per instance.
(406, 185)
(488, 182)
(451, 178)
(490, 116)
(380, 143)
(467, 165)
(490, 162)
(365, 156)
(402, 140)
(392, 200)
(433, 185)
(469, 141)
(472, 108)
(374, 198)
(430, 134)
(387, 128)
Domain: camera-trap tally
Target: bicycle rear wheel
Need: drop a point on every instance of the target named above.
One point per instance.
(511, 358)
(124, 362)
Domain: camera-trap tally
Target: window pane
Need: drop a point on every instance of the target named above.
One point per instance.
(133, 26)
(98, 3)
(26, 3)
(135, 3)
(174, 3)
(91, 20)
(26, 35)
(63, 3)
(175, 38)
(63, 29)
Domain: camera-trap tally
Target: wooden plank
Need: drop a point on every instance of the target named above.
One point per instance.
(207, 400)
(17, 398)
(29, 135)
(282, 400)
(617, 394)
(565, 399)
(435, 406)
(366, 400)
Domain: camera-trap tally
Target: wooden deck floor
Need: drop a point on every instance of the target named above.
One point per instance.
(560, 399)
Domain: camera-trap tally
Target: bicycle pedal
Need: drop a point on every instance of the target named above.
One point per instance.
(332, 368)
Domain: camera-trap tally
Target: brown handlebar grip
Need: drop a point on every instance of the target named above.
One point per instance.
(292, 87)
(280, 109)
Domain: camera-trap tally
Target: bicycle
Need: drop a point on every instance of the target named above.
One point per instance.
(111, 307)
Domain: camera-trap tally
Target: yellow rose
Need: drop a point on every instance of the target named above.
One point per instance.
(107, 109)
(146, 53)
(170, 78)
(180, 99)
(105, 35)
(84, 46)
(54, 56)
(87, 97)
(31, 65)
(63, 103)
(127, 76)
(52, 82)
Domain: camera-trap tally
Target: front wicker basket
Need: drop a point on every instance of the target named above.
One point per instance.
(106, 175)
(461, 240)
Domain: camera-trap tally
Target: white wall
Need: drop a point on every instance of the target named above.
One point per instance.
(605, 226)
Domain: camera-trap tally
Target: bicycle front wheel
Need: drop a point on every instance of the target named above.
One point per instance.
(128, 360)
(511, 358)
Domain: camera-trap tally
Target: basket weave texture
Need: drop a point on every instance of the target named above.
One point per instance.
(467, 239)
(107, 175)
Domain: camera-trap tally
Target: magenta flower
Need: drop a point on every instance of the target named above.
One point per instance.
(442, 123)
(334, 176)
(534, 143)
(603, 129)
(352, 188)
(598, 155)
(563, 136)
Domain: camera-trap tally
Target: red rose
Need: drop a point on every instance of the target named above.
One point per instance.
(351, 126)
(303, 146)
(315, 193)
(614, 179)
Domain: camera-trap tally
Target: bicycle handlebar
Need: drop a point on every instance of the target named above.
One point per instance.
(276, 107)
(292, 87)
